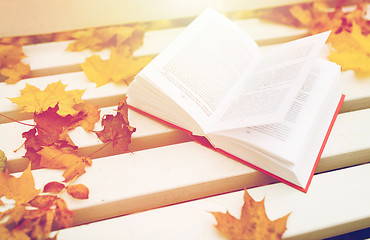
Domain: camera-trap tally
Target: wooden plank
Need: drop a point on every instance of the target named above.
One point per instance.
(20, 18)
(149, 134)
(129, 183)
(336, 203)
(52, 58)
(107, 95)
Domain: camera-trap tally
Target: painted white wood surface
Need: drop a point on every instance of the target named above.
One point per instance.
(155, 176)
(18, 17)
(335, 204)
(138, 181)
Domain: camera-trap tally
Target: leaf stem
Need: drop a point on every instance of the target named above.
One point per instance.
(30, 125)
(101, 148)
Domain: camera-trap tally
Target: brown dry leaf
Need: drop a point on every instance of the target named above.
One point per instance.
(63, 216)
(351, 50)
(106, 37)
(117, 129)
(253, 223)
(78, 191)
(20, 189)
(63, 158)
(5, 234)
(53, 187)
(33, 99)
(121, 67)
(43, 201)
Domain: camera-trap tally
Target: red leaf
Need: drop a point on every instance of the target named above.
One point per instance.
(53, 187)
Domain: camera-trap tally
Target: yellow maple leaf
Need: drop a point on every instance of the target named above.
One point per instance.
(15, 72)
(253, 223)
(33, 99)
(105, 37)
(10, 63)
(351, 50)
(20, 189)
(121, 67)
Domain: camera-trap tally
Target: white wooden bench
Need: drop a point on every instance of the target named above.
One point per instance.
(166, 184)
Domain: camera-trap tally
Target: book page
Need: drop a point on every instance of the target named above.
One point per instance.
(265, 94)
(285, 140)
(203, 64)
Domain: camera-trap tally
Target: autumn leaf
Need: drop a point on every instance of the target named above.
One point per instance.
(121, 67)
(2, 161)
(63, 158)
(117, 129)
(63, 216)
(53, 187)
(253, 223)
(87, 117)
(15, 72)
(35, 100)
(5, 234)
(43, 201)
(351, 50)
(98, 38)
(10, 54)
(10, 63)
(20, 189)
(78, 191)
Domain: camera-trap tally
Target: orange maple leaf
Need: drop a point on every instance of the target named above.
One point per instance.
(121, 67)
(98, 38)
(33, 99)
(20, 189)
(87, 117)
(117, 129)
(78, 191)
(63, 158)
(253, 223)
(10, 54)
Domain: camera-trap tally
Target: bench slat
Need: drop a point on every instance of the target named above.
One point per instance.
(156, 177)
(336, 203)
(149, 134)
(29, 18)
(52, 58)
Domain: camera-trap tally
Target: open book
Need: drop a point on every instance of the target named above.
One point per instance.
(273, 111)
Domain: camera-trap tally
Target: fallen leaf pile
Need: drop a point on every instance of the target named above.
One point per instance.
(32, 214)
(253, 223)
(48, 145)
(11, 66)
(349, 40)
